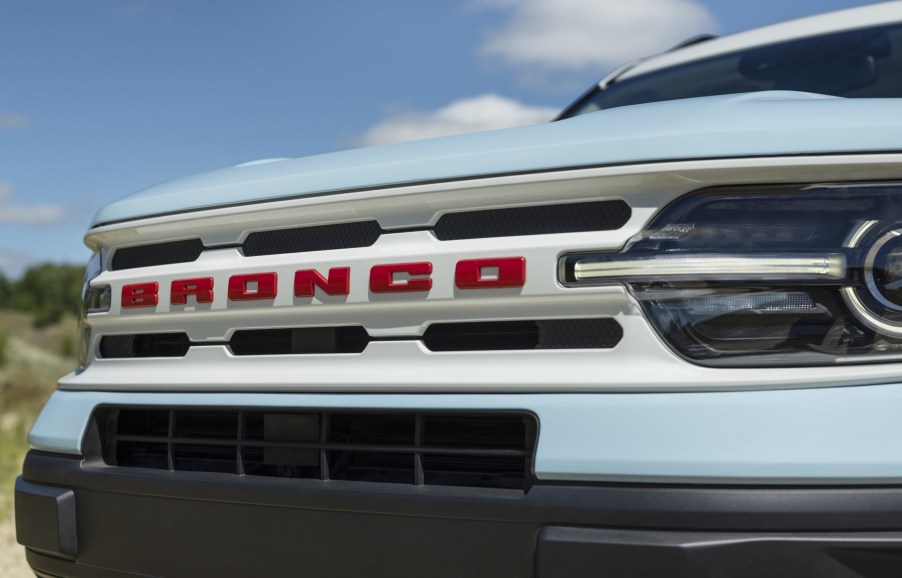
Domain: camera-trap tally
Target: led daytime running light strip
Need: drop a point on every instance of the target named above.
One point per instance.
(716, 267)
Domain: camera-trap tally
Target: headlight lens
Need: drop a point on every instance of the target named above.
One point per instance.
(94, 300)
(782, 275)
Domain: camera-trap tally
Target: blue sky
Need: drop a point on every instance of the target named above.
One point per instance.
(102, 98)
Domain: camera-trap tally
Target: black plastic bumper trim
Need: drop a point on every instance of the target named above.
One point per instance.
(49, 521)
(225, 525)
(565, 552)
(611, 505)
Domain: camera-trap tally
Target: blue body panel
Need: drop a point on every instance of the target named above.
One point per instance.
(755, 124)
(842, 435)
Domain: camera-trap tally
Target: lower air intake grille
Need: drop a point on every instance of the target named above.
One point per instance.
(535, 220)
(464, 449)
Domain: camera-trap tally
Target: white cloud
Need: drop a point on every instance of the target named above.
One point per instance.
(11, 121)
(579, 34)
(32, 214)
(486, 112)
(22, 214)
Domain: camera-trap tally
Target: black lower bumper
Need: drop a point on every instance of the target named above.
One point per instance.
(87, 520)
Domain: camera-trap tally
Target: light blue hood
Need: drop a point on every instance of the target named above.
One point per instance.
(754, 124)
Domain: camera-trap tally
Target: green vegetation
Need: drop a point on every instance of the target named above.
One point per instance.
(21, 399)
(37, 346)
(46, 291)
(6, 290)
(67, 346)
(33, 365)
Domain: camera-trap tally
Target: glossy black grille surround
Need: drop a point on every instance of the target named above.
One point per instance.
(533, 220)
(316, 238)
(478, 449)
(167, 253)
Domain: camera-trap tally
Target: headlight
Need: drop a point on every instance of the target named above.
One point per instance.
(93, 300)
(781, 275)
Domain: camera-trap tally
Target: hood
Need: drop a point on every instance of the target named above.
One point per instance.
(753, 124)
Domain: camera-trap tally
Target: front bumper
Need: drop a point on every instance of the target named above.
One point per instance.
(802, 437)
(129, 522)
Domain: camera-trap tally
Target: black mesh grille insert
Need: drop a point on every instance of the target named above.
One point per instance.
(535, 220)
(601, 333)
(158, 254)
(351, 339)
(471, 449)
(147, 345)
(318, 238)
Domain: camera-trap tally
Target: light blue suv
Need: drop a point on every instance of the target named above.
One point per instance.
(660, 339)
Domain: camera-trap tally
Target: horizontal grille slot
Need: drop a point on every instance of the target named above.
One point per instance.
(468, 449)
(351, 339)
(144, 345)
(461, 431)
(601, 333)
(157, 254)
(317, 238)
(142, 455)
(533, 220)
(204, 458)
(473, 471)
(362, 466)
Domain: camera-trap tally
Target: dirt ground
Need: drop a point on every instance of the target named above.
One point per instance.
(12, 556)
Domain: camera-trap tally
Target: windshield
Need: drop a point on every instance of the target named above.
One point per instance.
(855, 64)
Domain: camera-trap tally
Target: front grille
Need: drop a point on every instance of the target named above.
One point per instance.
(534, 220)
(317, 238)
(464, 449)
(157, 254)
(477, 224)
(597, 333)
